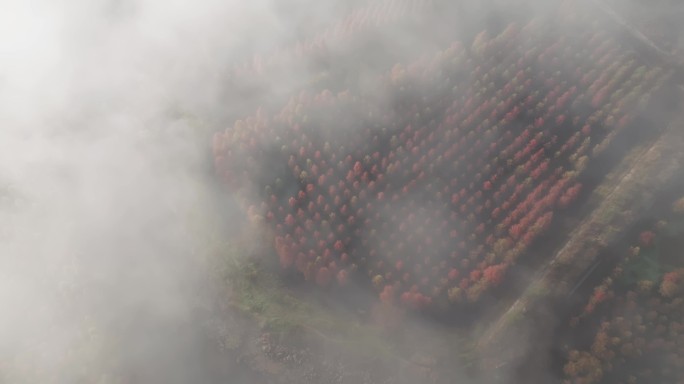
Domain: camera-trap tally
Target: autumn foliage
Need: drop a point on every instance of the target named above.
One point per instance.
(640, 336)
(434, 198)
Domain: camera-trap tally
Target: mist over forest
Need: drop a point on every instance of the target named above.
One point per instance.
(357, 192)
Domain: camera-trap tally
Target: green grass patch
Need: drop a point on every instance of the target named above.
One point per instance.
(261, 294)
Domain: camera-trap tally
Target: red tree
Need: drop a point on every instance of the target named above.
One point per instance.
(494, 274)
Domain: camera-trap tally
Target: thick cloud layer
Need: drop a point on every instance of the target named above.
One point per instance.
(104, 188)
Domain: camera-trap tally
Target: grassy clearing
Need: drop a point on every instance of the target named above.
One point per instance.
(261, 294)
